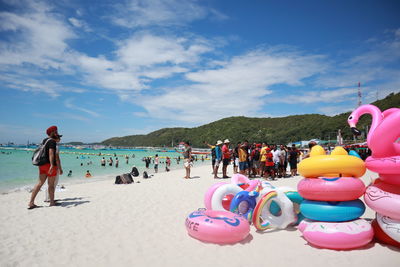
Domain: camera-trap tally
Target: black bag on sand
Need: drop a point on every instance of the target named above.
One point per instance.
(125, 178)
(135, 172)
(145, 175)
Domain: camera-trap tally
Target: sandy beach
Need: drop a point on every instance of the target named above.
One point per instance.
(142, 224)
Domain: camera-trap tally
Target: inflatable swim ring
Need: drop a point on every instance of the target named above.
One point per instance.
(222, 227)
(296, 200)
(389, 226)
(264, 219)
(387, 165)
(209, 194)
(331, 189)
(332, 211)
(221, 192)
(332, 235)
(337, 164)
(354, 153)
(382, 236)
(382, 201)
(238, 178)
(244, 203)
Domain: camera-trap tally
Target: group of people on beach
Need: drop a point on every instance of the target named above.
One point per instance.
(254, 159)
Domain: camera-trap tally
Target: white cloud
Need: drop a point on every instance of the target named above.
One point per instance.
(141, 59)
(320, 96)
(236, 88)
(38, 37)
(81, 24)
(145, 13)
(335, 110)
(68, 104)
(369, 66)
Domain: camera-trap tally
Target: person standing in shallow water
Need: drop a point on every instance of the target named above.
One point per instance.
(47, 171)
(187, 157)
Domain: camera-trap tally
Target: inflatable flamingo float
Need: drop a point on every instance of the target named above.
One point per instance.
(383, 195)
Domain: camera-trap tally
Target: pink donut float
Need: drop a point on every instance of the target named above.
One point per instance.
(222, 227)
(384, 199)
(331, 188)
(333, 235)
(209, 194)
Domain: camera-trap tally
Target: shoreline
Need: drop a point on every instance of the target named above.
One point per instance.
(103, 224)
(68, 181)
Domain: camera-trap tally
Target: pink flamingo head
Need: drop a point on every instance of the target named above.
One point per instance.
(361, 110)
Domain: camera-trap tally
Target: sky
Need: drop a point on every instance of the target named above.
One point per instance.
(99, 69)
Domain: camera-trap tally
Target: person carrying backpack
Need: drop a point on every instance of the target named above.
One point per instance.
(46, 159)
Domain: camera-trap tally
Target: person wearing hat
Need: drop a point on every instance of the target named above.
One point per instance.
(218, 157)
(226, 158)
(59, 168)
(48, 171)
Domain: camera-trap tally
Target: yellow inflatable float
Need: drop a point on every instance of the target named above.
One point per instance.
(337, 164)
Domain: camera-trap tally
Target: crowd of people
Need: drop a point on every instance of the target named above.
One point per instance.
(254, 159)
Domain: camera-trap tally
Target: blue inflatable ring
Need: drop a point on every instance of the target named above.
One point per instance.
(332, 211)
(243, 203)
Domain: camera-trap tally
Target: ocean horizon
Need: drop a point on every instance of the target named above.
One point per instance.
(18, 173)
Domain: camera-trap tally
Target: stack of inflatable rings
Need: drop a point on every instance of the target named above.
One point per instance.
(331, 202)
(384, 198)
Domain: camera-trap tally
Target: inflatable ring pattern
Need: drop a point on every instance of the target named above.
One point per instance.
(332, 235)
(263, 218)
(332, 211)
(390, 226)
(209, 194)
(243, 203)
(383, 202)
(339, 163)
(331, 189)
(221, 227)
(221, 192)
(381, 236)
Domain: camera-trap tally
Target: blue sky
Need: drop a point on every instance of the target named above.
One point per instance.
(99, 69)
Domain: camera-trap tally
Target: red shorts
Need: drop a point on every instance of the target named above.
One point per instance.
(44, 169)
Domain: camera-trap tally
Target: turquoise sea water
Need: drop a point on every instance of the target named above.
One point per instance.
(17, 171)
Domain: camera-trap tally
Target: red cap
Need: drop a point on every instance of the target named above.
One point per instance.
(268, 149)
(258, 145)
(51, 129)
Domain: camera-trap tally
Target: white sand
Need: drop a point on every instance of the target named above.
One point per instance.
(142, 224)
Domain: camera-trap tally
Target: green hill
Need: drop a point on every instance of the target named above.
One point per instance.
(270, 130)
